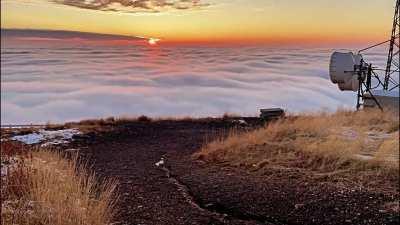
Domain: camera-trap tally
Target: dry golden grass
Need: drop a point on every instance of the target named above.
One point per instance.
(387, 150)
(318, 142)
(108, 124)
(44, 188)
(111, 121)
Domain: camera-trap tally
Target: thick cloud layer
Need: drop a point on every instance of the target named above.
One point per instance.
(133, 5)
(57, 83)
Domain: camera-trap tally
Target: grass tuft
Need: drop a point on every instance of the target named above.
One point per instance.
(47, 189)
(321, 141)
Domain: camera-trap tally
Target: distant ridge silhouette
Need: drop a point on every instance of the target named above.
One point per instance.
(63, 34)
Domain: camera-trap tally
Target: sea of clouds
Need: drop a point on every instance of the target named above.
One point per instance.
(58, 83)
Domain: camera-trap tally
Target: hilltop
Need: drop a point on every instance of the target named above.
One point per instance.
(303, 169)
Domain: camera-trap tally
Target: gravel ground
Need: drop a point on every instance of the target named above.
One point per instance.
(180, 190)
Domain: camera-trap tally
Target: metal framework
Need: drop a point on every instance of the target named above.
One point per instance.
(365, 73)
(389, 81)
(393, 61)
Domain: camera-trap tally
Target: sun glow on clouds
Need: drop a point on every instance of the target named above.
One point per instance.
(58, 82)
(153, 41)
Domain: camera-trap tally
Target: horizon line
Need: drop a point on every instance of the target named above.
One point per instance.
(321, 40)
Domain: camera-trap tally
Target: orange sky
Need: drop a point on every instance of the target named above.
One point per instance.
(211, 21)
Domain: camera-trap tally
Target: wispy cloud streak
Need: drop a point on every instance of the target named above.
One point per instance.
(134, 5)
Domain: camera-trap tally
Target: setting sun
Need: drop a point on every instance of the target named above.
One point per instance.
(153, 41)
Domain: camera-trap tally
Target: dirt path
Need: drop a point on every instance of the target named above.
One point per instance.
(149, 195)
(183, 191)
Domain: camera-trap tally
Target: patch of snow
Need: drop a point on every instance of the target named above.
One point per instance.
(160, 163)
(47, 137)
(241, 122)
(29, 139)
(54, 142)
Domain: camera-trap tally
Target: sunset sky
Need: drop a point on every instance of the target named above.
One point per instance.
(269, 21)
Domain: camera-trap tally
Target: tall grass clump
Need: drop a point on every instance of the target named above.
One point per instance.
(343, 140)
(43, 187)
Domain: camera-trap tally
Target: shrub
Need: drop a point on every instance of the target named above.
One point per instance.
(48, 189)
(144, 118)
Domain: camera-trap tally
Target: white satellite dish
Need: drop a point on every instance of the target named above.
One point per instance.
(342, 70)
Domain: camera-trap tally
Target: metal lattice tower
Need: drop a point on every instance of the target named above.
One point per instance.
(393, 62)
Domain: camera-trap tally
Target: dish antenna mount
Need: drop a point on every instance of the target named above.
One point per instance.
(351, 73)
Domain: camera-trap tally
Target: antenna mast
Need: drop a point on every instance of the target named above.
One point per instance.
(393, 66)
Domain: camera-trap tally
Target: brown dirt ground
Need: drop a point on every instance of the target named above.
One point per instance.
(188, 191)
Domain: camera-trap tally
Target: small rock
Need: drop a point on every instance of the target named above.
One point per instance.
(160, 163)
(208, 205)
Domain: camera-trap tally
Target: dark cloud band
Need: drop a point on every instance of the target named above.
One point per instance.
(134, 5)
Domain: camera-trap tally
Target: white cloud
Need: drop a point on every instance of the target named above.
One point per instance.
(182, 81)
